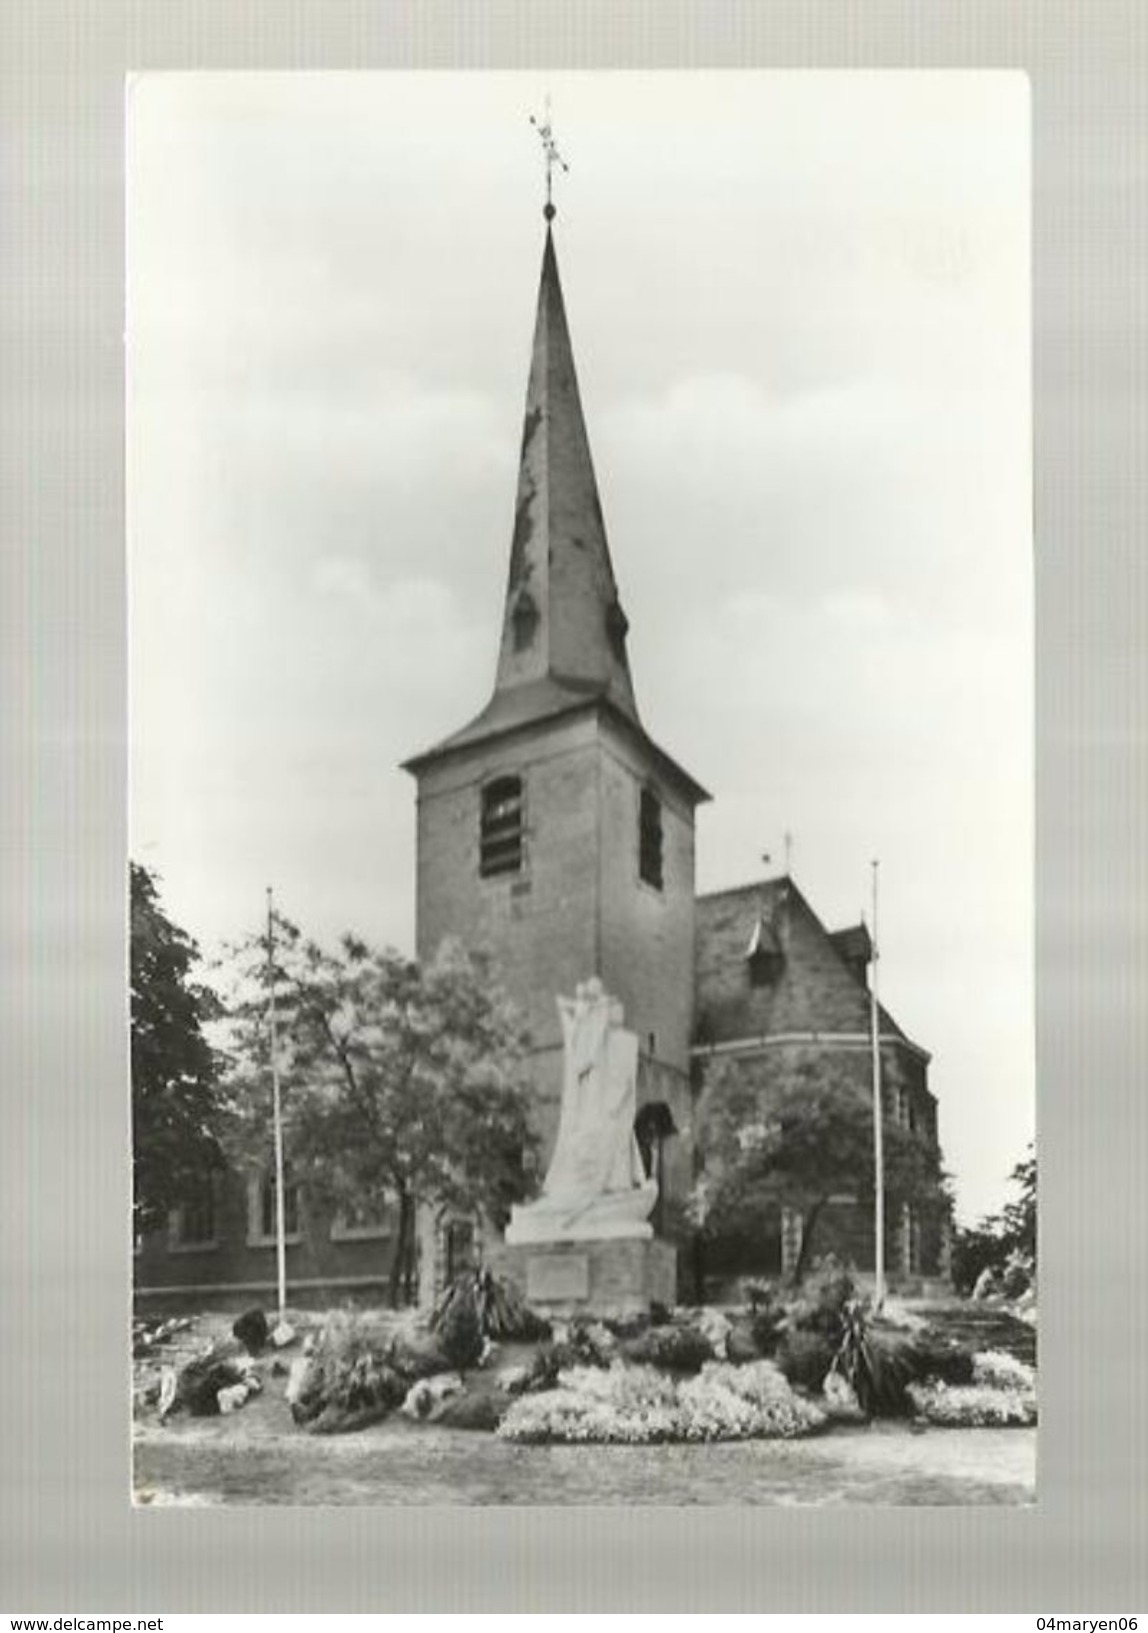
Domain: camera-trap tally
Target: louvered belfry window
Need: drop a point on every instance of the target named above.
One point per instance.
(650, 838)
(500, 848)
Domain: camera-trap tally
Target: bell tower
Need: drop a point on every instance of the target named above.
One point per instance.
(552, 829)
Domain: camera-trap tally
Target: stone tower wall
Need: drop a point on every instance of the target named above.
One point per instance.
(578, 906)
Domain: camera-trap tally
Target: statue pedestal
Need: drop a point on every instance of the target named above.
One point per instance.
(595, 1275)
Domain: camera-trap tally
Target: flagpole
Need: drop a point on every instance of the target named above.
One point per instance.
(878, 1132)
(277, 1117)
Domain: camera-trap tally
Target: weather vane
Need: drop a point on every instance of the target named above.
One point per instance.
(551, 154)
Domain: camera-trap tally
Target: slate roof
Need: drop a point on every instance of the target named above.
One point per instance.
(814, 987)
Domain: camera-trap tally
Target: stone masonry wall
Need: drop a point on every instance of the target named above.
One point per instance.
(577, 907)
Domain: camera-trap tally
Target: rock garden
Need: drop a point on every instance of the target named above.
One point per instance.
(783, 1365)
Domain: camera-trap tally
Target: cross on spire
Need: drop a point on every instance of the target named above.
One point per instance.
(551, 155)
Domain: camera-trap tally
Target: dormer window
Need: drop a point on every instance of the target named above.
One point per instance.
(763, 955)
(650, 838)
(500, 841)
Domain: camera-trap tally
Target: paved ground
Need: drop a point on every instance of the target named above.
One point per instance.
(400, 1462)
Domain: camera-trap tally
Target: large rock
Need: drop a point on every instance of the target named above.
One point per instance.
(471, 1411)
(425, 1399)
(513, 1380)
(716, 1327)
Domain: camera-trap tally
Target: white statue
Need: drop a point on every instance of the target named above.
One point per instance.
(595, 1185)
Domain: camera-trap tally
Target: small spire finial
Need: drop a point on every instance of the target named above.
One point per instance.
(551, 155)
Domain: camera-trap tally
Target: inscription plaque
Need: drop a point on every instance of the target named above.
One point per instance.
(550, 1278)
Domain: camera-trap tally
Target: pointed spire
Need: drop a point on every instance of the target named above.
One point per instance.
(563, 644)
(563, 619)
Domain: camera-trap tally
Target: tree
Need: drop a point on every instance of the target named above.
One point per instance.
(1018, 1218)
(176, 1106)
(1005, 1242)
(397, 1079)
(797, 1147)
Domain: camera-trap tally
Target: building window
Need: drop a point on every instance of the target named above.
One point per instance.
(763, 955)
(361, 1221)
(500, 848)
(191, 1224)
(261, 1224)
(792, 1231)
(650, 838)
(910, 1241)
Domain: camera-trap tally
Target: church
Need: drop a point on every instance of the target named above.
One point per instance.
(555, 832)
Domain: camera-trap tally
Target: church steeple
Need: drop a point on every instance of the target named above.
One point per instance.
(562, 650)
(563, 620)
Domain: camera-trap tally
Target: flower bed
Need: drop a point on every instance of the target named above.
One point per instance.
(1002, 1394)
(636, 1405)
(999, 1370)
(973, 1406)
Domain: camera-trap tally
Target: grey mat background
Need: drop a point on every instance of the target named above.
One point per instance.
(68, 1540)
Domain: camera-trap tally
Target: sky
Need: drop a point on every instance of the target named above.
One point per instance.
(800, 311)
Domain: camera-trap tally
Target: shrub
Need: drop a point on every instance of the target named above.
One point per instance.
(804, 1358)
(820, 1306)
(929, 1355)
(460, 1332)
(742, 1345)
(677, 1348)
(418, 1355)
(586, 1344)
(767, 1317)
(252, 1330)
(591, 1342)
(502, 1312)
(351, 1379)
(878, 1366)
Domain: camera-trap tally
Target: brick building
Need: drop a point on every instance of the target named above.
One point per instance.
(555, 832)
(779, 996)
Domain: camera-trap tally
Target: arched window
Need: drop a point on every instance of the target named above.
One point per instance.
(653, 1126)
(500, 839)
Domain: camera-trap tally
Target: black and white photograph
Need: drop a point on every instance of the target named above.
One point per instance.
(580, 659)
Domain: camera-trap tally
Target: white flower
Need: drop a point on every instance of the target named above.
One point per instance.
(973, 1405)
(1000, 1370)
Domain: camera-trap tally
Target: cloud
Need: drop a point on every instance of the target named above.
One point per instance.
(799, 306)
